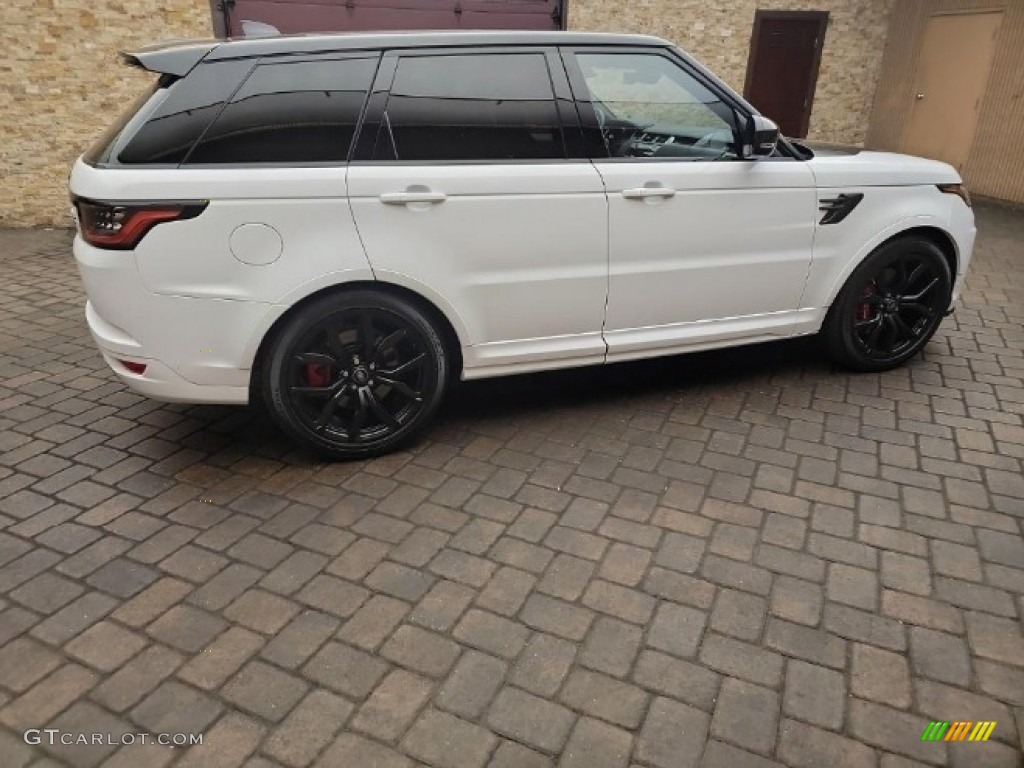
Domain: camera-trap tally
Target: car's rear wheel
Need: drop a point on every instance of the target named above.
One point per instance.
(356, 374)
(890, 307)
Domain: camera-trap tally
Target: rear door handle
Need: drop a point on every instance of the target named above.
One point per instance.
(412, 196)
(643, 193)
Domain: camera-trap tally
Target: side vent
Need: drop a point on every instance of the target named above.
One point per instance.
(838, 208)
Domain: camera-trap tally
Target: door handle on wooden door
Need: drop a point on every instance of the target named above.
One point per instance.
(644, 193)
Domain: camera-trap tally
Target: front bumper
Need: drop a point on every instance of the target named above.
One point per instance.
(964, 232)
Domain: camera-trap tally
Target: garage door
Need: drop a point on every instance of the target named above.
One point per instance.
(344, 15)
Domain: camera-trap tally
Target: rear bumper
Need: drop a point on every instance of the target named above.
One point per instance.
(159, 381)
(196, 350)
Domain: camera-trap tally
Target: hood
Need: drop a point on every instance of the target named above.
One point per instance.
(878, 169)
(826, 149)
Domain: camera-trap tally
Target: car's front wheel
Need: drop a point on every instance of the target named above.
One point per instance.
(890, 307)
(355, 374)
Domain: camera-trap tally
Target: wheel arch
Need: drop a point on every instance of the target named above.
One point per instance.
(942, 240)
(445, 327)
(932, 232)
(840, 337)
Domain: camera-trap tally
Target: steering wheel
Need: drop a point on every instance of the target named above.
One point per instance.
(602, 123)
(719, 135)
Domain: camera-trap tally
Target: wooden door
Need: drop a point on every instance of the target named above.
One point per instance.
(785, 50)
(952, 73)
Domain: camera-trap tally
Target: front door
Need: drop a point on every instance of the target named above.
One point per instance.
(952, 73)
(782, 70)
(703, 247)
(462, 192)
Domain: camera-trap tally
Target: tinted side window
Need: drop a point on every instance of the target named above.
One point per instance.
(290, 112)
(471, 107)
(648, 106)
(99, 153)
(180, 119)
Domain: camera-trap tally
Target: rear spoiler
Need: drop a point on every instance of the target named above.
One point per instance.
(175, 57)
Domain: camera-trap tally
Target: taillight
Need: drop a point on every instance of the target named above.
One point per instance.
(120, 226)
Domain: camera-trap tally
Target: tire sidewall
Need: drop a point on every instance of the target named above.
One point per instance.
(275, 373)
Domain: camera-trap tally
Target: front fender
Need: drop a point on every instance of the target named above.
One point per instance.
(903, 225)
(884, 213)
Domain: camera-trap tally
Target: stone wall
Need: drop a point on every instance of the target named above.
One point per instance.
(718, 34)
(62, 84)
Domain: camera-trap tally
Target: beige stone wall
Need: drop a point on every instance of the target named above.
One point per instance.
(61, 84)
(718, 34)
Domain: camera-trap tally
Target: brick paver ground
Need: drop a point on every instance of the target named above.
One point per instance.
(740, 559)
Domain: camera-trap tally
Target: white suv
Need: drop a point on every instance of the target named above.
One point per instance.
(340, 224)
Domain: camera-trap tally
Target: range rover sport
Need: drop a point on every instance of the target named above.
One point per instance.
(342, 224)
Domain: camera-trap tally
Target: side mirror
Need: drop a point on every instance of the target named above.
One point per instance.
(760, 137)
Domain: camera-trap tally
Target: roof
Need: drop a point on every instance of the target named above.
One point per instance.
(178, 57)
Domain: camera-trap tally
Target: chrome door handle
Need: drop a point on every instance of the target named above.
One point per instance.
(404, 198)
(642, 193)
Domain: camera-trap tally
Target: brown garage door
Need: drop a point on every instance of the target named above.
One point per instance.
(344, 15)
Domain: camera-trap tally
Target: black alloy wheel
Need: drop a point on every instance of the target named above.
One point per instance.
(890, 307)
(356, 374)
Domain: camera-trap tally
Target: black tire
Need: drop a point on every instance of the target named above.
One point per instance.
(324, 380)
(890, 307)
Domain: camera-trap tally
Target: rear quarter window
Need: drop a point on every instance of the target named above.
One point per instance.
(101, 151)
(290, 112)
(185, 112)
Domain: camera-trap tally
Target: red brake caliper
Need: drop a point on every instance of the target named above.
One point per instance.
(864, 308)
(318, 375)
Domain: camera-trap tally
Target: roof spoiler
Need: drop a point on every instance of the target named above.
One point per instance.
(176, 57)
(259, 29)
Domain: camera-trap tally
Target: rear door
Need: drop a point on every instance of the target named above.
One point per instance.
(462, 191)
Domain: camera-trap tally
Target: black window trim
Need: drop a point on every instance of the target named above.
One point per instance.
(565, 108)
(588, 117)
